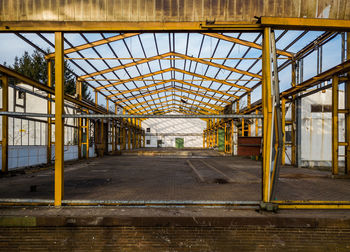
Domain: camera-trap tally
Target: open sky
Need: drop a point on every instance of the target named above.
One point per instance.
(144, 46)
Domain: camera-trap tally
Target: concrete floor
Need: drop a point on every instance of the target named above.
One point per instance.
(194, 175)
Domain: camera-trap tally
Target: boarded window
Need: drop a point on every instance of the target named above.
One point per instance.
(327, 108)
(318, 108)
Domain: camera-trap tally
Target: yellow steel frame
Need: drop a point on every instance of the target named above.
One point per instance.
(267, 113)
(171, 80)
(120, 26)
(245, 43)
(170, 89)
(267, 110)
(335, 127)
(176, 55)
(169, 101)
(49, 111)
(94, 44)
(59, 123)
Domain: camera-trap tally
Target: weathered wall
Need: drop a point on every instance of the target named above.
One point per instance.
(169, 10)
(191, 130)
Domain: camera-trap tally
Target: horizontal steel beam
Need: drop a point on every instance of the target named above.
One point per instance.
(22, 114)
(320, 24)
(116, 26)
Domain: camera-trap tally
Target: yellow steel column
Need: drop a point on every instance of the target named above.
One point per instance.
(283, 112)
(225, 132)
(249, 102)
(347, 107)
(124, 131)
(4, 141)
(294, 147)
(96, 97)
(335, 127)
(80, 120)
(231, 137)
(256, 124)
(59, 122)
(129, 133)
(49, 111)
(267, 113)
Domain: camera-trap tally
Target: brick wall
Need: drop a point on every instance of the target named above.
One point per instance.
(171, 238)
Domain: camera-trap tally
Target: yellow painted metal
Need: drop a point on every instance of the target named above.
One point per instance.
(168, 58)
(171, 89)
(245, 43)
(211, 79)
(231, 137)
(96, 98)
(347, 107)
(123, 132)
(210, 63)
(256, 124)
(94, 44)
(219, 108)
(201, 95)
(127, 26)
(172, 80)
(78, 92)
(267, 113)
(5, 125)
(140, 77)
(318, 206)
(49, 111)
(309, 23)
(113, 135)
(129, 133)
(249, 102)
(177, 55)
(294, 147)
(335, 127)
(47, 89)
(130, 107)
(107, 70)
(143, 109)
(283, 112)
(59, 122)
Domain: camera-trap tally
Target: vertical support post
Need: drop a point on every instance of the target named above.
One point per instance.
(256, 124)
(267, 113)
(80, 120)
(249, 102)
(283, 111)
(5, 107)
(96, 97)
(49, 111)
(231, 137)
(59, 122)
(294, 124)
(335, 147)
(347, 107)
